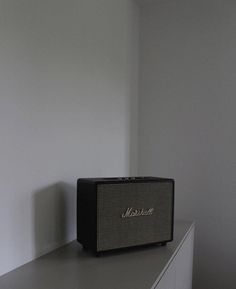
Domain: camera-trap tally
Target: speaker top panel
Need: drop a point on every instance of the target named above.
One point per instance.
(112, 180)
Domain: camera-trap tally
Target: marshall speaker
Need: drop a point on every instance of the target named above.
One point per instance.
(116, 213)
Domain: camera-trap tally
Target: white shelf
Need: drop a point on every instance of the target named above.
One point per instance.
(168, 267)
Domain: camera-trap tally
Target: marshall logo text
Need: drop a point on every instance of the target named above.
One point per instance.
(131, 212)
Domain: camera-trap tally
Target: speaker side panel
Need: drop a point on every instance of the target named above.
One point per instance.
(86, 214)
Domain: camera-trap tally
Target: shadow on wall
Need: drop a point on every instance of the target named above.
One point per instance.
(54, 217)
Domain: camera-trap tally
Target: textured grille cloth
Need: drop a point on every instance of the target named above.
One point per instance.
(114, 199)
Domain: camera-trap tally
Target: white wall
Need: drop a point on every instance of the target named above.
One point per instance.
(188, 122)
(68, 75)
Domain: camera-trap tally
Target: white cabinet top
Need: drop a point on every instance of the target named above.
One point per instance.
(70, 267)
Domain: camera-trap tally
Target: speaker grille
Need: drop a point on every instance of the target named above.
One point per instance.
(113, 231)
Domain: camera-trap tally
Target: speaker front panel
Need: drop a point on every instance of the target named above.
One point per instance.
(131, 214)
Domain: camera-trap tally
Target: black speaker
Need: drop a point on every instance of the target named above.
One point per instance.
(117, 213)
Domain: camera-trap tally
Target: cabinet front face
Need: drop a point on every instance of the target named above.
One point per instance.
(184, 263)
(168, 279)
(179, 273)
